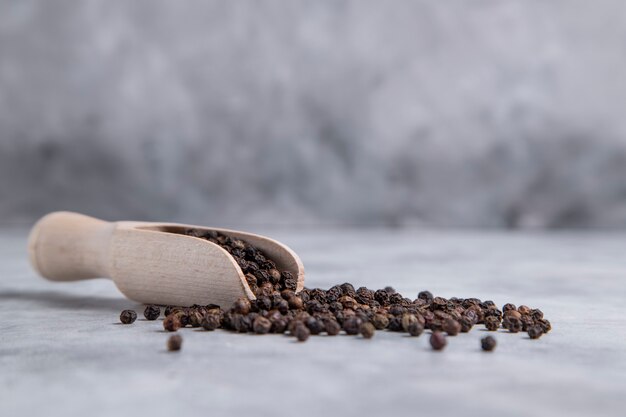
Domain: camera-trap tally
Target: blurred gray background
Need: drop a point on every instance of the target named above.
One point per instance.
(316, 113)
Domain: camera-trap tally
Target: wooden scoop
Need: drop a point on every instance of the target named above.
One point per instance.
(152, 263)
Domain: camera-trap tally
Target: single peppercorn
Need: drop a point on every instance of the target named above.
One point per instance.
(332, 327)
(152, 312)
(195, 318)
(315, 326)
(380, 321)
(128, 316)
(451, 327)
(536, 314)
(508, 307)
(279, 325)
(535, 332)
(426, 296)
(367, 330)
(261, 325)
(301, 332)
(174, 343)
(171, 323)
(282, 306)
(527, 322)
(407, 320)
(242, 306)
(296, 303)
(466, 324)
(211, 321)
(492, 323)
(488, 343)
(513, 313)
(513, 325)
(415, 329)
(545, 325)
(352, 325)
(438, 341)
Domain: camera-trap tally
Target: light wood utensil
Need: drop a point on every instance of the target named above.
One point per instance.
(152, 263)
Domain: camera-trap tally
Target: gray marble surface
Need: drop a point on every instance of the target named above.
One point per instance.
(62, 352)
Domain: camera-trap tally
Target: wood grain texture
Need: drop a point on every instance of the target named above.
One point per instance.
(152, 263)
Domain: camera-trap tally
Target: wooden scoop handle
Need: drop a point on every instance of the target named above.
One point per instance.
(65, 246)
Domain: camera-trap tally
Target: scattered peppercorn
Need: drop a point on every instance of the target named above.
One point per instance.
(128, 316)
(152, 312)
(488, 343)
(174, 343)
(438, 341)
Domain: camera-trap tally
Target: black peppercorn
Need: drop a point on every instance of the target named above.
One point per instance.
(171, 323)
(536, 314)
(407, 320)
(352, 325)
(279, 325)
(380, 321)
(512, 324)
(451, 327)
(301, 332)
(332, 327)
(263, 302)
(466, 324)
(128, 316)
(174, 343)
(426, 296)
(415, 329)
(438, 341)
(390, 290)
(535, 332)
(545, 325)
(241, 306)
(183, 317)
(315, 326)
(152, 312)
(492, 323)
(488, 343)
(395, 324)
(513, 313)
(295, 303)
(367, 330)
(261, 325)
(509, 307)
(211, 321)
(195, 318)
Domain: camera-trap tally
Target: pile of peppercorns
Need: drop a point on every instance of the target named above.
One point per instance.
(279, 309)
(261, 273)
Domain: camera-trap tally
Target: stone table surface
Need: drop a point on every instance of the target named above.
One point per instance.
(63, 353)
